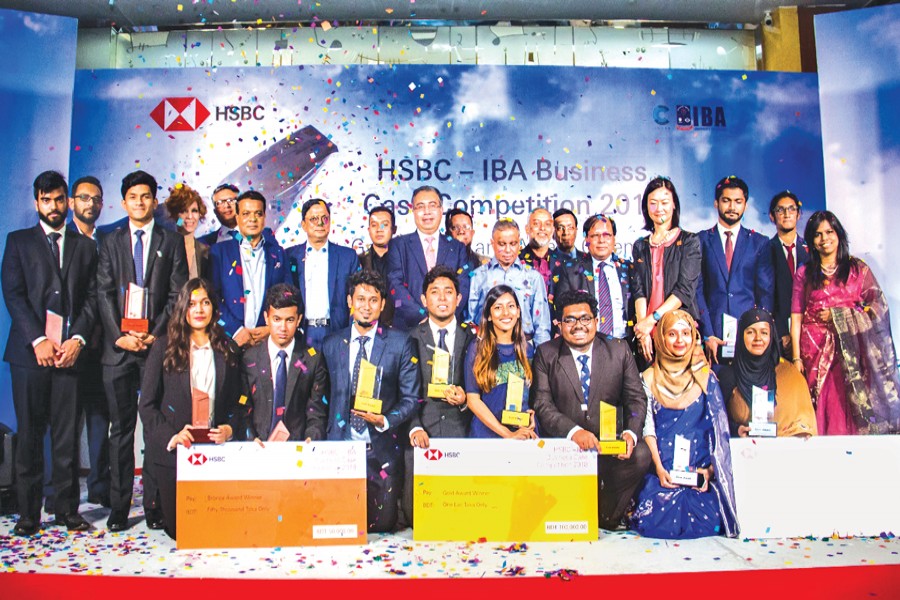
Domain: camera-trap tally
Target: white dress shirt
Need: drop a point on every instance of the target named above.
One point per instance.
(354, 350)
(203, 374)
(315, 274)
(584, 406)
(145, 240)
(734, 234)
(253, 265)
(615, 295)
(273, 358)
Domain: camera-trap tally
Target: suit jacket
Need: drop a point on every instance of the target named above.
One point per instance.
(201, 254)
(307, 381)
(556, 393)
(166, 405)
(228, 281)
(370, 261)
(211, 238)
(342, 262)
(750, 282)
(164, 276)
(579, 275)
(406, 272)
(33, 283)
(784, 281)
(437, 416)
(400, 391)
(681, 270)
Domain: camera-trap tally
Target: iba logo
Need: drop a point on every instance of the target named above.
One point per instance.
(433, 454)
(197, 459)
(689, 117)
(179, 114)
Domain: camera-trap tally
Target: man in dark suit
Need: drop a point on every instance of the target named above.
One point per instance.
(146, 255)
(321, 270)
(282, 376)
(48, 284)
(243, 270)
(565, 232)
(446, 415)
(381, 229)
(612, 291)
(414, 254)
(225, 207)
(392, 352)
(735, 274)
(572, 375)
(789, 251)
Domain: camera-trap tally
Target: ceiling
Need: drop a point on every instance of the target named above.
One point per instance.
(169, 14)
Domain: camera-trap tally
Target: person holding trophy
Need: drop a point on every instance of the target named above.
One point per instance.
(498, 371)
(190, 389)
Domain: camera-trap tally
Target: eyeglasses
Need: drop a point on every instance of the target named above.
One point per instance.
(228, 201)
(461, 228)
(603, 235)
(89, 198)
(785, 210)
(583, 319)
(323, 220)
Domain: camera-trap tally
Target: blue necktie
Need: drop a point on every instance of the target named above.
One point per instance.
(604, 303)
(139, 258)
(280, 385)
(358, 423)
(442, 339)
(585, 376)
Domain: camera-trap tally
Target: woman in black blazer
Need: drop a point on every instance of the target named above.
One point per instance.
(666, 264)
(193, 358)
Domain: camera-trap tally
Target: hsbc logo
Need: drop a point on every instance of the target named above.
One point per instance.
(433, 454)
(179, 114)
(197, 458)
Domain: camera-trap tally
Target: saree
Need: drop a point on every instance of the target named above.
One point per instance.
(850, 363)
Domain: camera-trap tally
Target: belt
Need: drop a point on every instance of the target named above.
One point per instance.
(318, 322)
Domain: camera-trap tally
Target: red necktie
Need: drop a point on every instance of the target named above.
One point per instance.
(790, 257)
(729, 250)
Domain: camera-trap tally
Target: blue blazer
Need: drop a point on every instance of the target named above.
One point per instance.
(406, 272)
(342, 262)
(400, 391)
(750, 283)
(229, 283)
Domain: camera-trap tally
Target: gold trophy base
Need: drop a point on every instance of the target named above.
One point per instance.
(436, 390)
(612, 446)
(512, 417)
(370, 405)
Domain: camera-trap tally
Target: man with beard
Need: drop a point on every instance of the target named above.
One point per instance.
(225, 206)
(381, 229)
(537, 254)
(735, 275)
(48, 284)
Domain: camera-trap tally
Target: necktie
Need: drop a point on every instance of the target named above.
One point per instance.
(442, 339)
(358, 423)
(729, 250)
(585, 376)
(54, 245)
(790, 257)
(139, 258)
(430, 254)
(234, 234)
(280, 386)
(604, 302)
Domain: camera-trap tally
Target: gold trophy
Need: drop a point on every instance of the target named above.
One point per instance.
(440, 374)
(515, 391)
(608, 438)
(368, 386)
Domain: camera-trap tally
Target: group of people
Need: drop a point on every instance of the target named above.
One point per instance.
(269, 343)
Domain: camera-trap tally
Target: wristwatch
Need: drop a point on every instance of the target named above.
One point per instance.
(656, 316)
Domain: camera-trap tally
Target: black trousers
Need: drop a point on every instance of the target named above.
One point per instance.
(384, 480)
(122, 384)
(94, 408)
(619, 481)
(168, 486)
(45, 397)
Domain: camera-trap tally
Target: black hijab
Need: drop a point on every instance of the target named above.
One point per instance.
(751, 370)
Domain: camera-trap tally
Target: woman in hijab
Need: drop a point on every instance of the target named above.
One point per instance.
(758, 364)
(687, 431)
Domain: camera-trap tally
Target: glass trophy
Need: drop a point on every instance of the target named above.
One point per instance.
(608, 438)
(441, 365)
(515, 392)
(54, 327)
(762, 413)
(682, 473)
(368, 388)
(136, 309)
(199, 416)
(280, 433)
(729, 335)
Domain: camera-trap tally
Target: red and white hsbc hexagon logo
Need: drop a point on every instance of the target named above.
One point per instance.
(433, 454)
(197, 458)
(179, 114)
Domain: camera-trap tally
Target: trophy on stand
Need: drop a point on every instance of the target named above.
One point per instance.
(441, 367)
(199, 416)
(515, 392)
(608, 438)
(368, 388)
(762, 413)
(682, 472)
(136, 309)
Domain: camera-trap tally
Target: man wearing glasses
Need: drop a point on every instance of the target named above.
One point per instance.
(605, 276)
(244, 268)
(573, 374)
(321, 270)
(223, 199)
(789, 251)
(460, 225)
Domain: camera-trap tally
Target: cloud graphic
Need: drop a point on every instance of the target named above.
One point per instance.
(483, 95)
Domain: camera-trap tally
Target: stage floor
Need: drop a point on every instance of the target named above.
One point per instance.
(145, 553)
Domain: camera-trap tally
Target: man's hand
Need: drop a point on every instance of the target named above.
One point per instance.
(376, 420)
(242, 337)
(258, 334)
(455, 396)
(45, 353)
(220, 434)
(68, 354)
(130, 343)
(629, 447)
(712, 349)
(585, 440)
(419, 439)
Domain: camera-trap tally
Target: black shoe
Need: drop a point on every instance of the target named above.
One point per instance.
(154, 518)
(101, 499)
(117, 521)
(73, 522)
(26, 527)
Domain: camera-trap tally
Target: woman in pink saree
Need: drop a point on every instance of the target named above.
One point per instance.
(841, 325)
